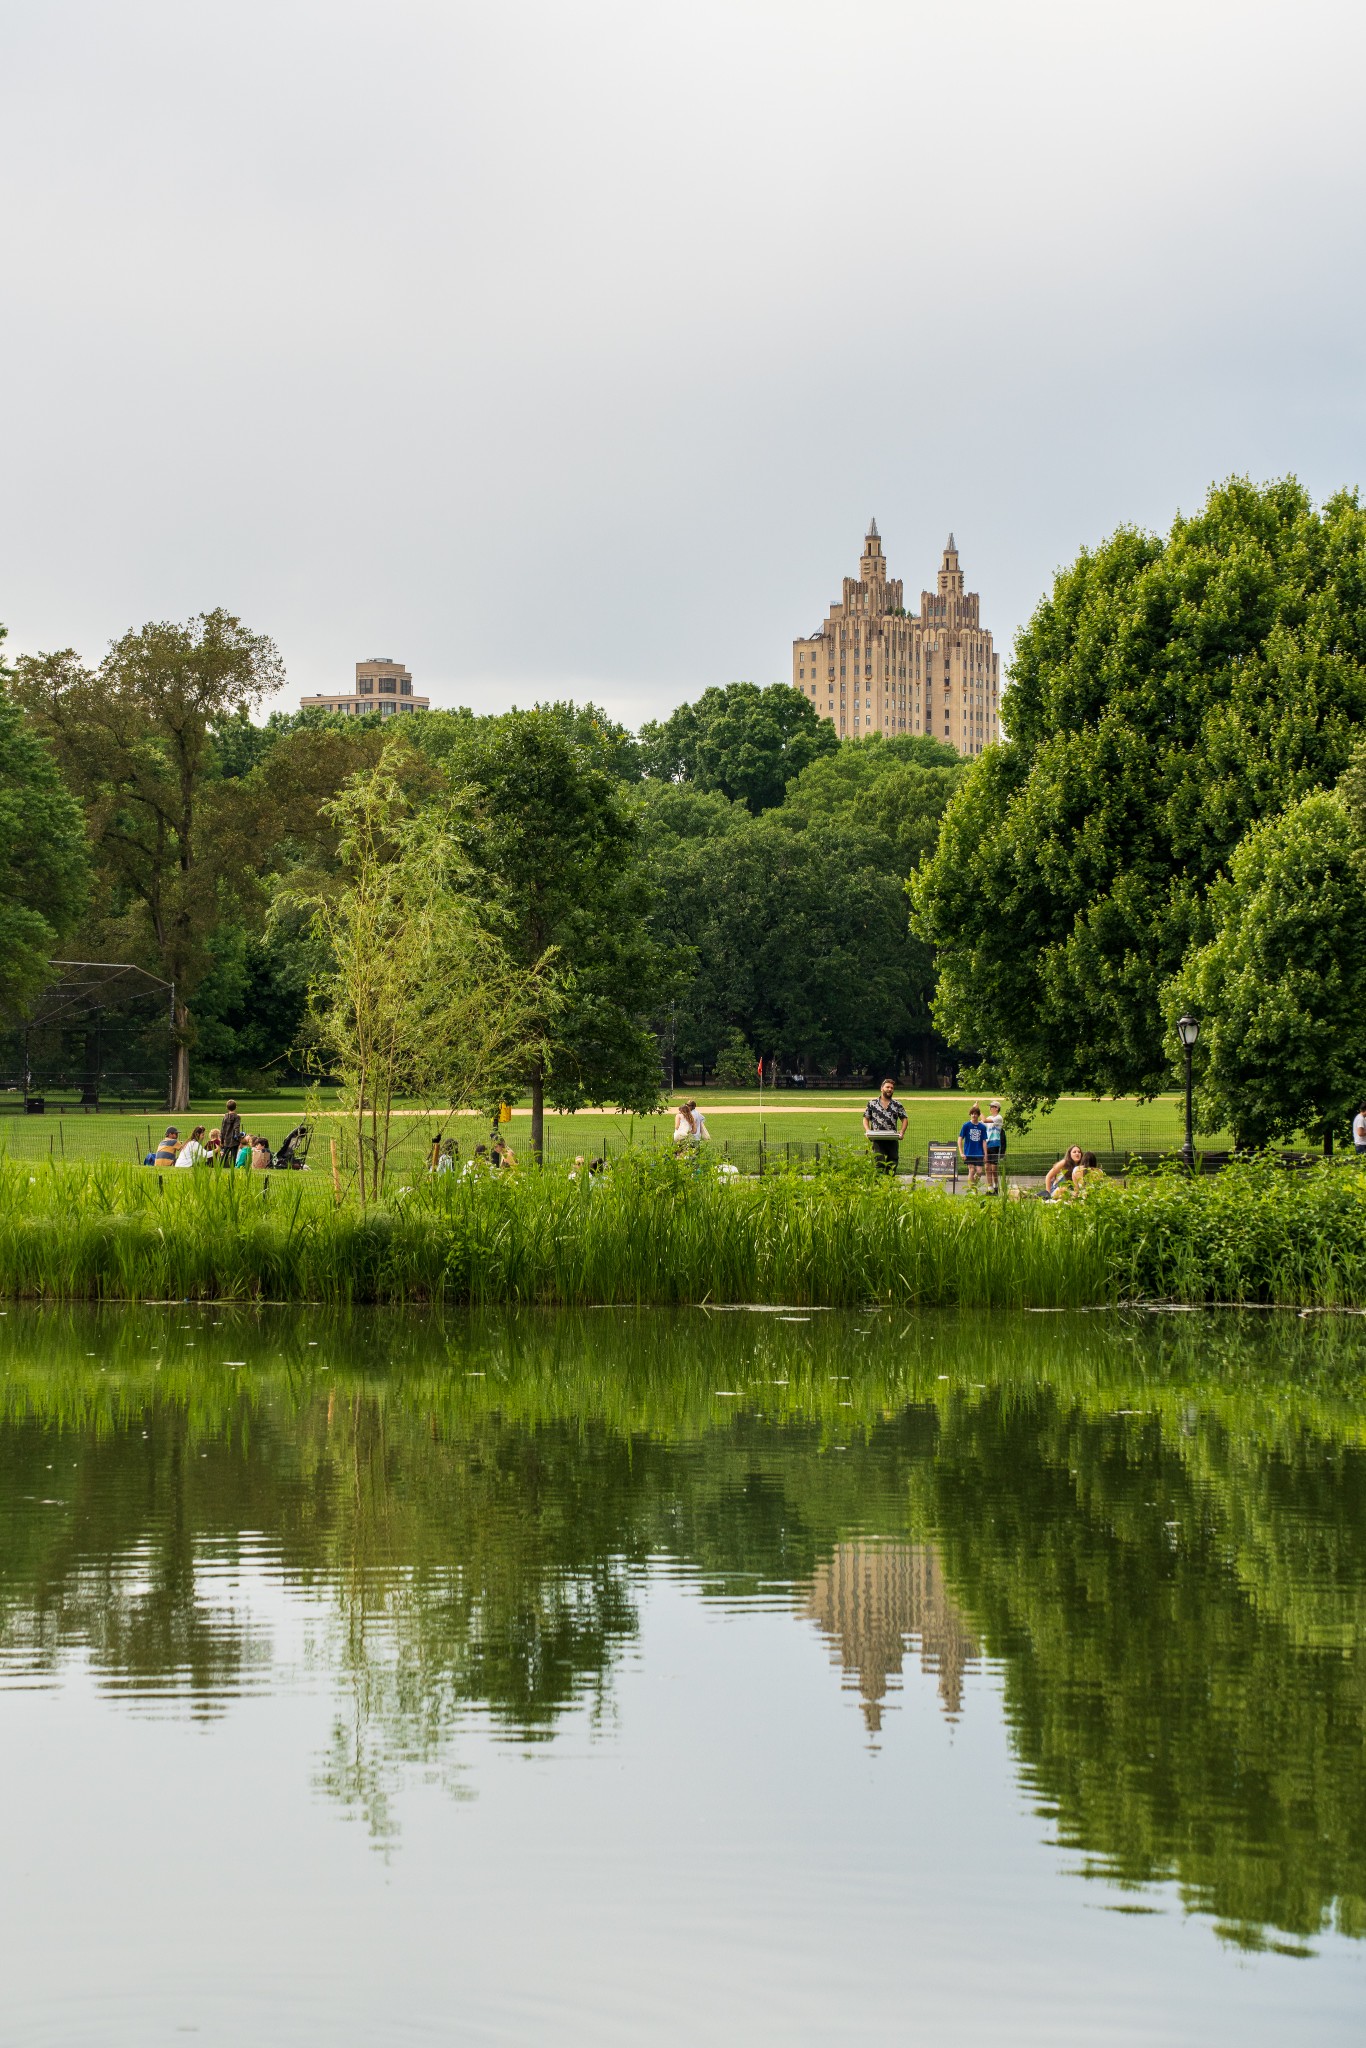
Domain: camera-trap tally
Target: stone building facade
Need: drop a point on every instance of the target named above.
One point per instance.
(874, 667)
(382, 685)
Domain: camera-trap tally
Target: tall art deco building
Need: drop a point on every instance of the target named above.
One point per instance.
(874, 667)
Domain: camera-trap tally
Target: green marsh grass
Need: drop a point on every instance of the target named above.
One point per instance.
(657, 1231)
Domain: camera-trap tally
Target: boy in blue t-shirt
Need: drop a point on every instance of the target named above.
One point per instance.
(972, 1144)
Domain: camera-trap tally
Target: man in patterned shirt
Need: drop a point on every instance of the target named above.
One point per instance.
(884, 1120)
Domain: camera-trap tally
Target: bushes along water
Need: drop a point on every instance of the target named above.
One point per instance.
(657, 1231)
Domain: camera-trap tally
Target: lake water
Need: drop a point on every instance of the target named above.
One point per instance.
(682, 1678)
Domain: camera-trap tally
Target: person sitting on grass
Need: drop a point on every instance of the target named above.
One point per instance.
(243, 1151)
(194, 1149)
(213, 1145)
(167, 1149)
(1087, 1174)
(260, 1155)
(1059, 1176)
(501, 1154)
(972, 1144)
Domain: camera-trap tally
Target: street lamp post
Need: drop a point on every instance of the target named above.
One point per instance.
(1189, 1029)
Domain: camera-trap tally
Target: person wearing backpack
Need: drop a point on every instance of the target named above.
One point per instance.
(229, 1134)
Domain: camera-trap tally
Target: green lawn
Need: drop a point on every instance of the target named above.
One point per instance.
(790, 1117)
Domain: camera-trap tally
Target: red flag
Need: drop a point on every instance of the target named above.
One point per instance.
(761, 1070)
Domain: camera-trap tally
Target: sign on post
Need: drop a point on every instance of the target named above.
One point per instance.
(944, 1163)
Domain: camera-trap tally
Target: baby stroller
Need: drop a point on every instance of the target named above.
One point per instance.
(293, 1152)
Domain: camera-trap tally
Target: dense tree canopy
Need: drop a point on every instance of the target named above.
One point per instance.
(1281, 987)
(133, 740)
(555, 833)
(1166, 696)
(796, 919)
(744, 742)
(43, 864)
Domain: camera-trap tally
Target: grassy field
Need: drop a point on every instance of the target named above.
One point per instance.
(790, 1118)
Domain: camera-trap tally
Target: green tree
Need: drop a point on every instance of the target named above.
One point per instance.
(796, 935)
(555, 834)
(897, 787)
(44, 868)
(134, 742)
(1164, 697)
(417, 996)
(741, 741)
(797, 918)
(736, 1066)
(1280, 990)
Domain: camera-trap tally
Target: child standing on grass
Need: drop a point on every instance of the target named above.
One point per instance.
(972, 1144)
(996, 1146)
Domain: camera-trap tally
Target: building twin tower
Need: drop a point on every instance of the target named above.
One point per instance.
(874, 667)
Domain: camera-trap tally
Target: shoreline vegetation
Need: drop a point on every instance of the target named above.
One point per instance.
(662, 1232)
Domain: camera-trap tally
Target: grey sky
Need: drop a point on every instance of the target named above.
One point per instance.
(567, 349)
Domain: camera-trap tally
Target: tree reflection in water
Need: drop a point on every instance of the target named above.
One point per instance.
(1153, 1536)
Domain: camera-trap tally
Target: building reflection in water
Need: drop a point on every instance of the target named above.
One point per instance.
(874, 1601)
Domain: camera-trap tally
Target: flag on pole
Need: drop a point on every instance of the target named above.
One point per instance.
(761, 1070)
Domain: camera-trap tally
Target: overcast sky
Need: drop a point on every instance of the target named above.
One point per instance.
(566, 349)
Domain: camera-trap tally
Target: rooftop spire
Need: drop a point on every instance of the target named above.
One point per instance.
(950, 549)
(872, 529)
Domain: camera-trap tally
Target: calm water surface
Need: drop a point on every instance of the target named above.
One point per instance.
(646, 1678)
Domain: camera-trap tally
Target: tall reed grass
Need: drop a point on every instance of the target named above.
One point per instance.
(656, 1231)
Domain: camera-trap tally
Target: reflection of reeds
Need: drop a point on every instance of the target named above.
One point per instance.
(657, 1231)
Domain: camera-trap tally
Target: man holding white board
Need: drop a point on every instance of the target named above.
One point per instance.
(884, 1122)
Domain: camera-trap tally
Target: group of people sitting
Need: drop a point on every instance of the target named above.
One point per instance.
(227, 1145)
(444, 1156)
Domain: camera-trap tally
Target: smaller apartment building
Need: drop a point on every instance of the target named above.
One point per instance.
(382, 686)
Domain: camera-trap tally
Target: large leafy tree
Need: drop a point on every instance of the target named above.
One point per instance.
(795, 926)
(555, 833)
(897, 787)
(134, 742)
(44, 870)
(1165, 696)
(1281, 987)
(743, 742)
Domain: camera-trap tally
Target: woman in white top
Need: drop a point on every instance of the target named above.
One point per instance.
(690, 1126)
(1359, 1129)
(193, 1150)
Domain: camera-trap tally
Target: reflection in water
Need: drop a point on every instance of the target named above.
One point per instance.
(1153, 1536)
(871, 1599)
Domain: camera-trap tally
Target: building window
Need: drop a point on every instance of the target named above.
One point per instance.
(389, 684)
(405, 688)
(367, 684)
